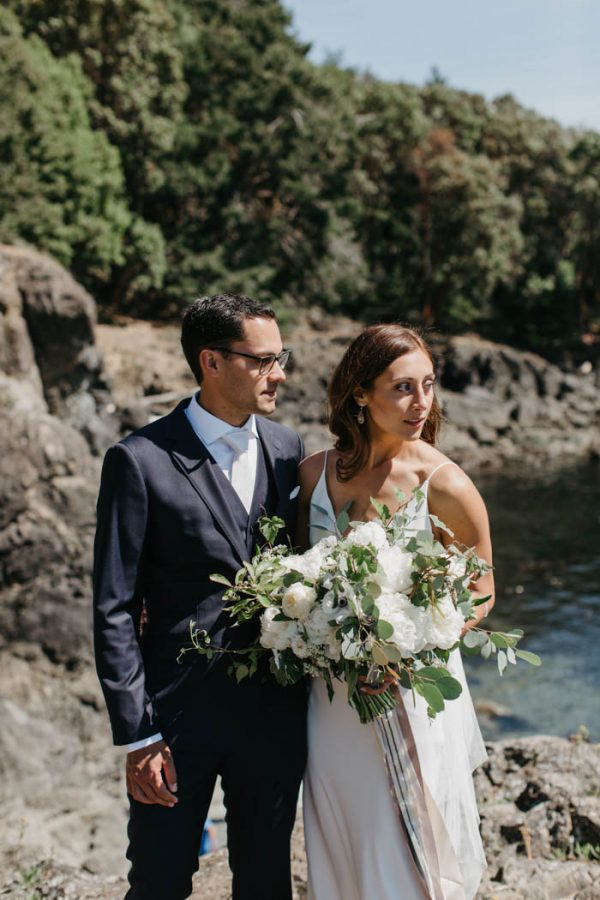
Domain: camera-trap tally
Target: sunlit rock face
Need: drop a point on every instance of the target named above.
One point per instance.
(60, 786)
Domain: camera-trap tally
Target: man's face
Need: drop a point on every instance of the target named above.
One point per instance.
(235, 384)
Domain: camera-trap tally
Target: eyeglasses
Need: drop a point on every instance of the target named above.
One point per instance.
(265, 363)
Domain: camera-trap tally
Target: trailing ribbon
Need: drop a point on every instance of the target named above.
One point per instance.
(428, 838)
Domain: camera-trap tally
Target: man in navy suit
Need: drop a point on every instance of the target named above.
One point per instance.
(179, 501)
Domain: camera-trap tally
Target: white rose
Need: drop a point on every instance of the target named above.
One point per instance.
(394, 569)
(276, 635)
(444, 626)
(365, 534)
(298, 601)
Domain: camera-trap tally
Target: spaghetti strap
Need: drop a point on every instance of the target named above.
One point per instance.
(447, 462)
(326, 454)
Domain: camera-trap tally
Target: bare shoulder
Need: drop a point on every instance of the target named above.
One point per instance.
(450, 480)
(456, 501)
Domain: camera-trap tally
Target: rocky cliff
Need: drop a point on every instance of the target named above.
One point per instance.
(61, 404)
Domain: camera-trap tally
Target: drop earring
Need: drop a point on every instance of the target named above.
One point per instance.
(360, 417)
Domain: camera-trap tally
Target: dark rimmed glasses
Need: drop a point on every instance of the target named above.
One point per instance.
(265, 363)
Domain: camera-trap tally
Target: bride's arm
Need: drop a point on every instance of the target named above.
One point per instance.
(309, 472)
(455, 500)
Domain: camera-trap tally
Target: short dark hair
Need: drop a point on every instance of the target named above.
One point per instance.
(215, 321)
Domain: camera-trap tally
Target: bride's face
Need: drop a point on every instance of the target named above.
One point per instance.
(399, 400)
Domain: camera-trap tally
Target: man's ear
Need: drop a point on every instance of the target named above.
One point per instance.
(209, 362)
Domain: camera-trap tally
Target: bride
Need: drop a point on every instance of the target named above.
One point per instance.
(385, 417)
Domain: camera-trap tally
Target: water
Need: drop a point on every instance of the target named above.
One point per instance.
(546, 534)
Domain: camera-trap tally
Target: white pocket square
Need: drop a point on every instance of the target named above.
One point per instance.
(295, 492)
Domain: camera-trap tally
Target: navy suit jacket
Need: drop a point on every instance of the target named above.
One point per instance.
(165, 524)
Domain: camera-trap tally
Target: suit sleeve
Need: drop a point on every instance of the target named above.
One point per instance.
(118, 596)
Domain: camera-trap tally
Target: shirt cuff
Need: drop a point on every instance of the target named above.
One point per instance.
(137, 745)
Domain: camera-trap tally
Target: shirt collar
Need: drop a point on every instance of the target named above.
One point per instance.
(210, 428)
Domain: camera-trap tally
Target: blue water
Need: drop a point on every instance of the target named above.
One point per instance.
(546, 535)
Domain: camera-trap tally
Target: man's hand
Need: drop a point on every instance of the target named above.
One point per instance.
(151, 776)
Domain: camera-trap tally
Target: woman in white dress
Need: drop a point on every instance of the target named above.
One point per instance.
(385, 418)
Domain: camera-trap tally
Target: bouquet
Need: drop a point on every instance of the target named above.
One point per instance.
(382, 605)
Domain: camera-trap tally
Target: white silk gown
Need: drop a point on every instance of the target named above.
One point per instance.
(356, 844)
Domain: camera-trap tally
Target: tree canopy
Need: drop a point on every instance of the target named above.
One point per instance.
(168, 148)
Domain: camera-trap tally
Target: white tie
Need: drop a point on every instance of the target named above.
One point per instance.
(242, 475)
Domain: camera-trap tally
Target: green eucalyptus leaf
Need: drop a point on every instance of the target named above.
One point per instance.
(241, 672)
(474, 638)
(351, 680)
(405, 680)
(373, 589)
(384, 630)
(498, 640)
(449, 687)
(502, 661)
(434, 672)
(486, 650)
(440, 525)
(529, 657)
(392, 653)
(381, 509)
(431, 694)
(220, 579)
(379, 656)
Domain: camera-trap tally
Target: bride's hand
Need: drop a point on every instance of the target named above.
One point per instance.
(366, 687)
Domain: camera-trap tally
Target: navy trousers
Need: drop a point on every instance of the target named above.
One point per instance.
(253, 735)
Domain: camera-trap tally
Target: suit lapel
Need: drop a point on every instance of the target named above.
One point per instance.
(193, 460)
(272, 451)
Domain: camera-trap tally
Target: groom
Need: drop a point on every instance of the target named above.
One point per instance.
(179, 501)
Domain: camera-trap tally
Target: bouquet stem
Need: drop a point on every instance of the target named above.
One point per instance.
(371, 706)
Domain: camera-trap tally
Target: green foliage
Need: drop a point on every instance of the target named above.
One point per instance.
(62, 187)
(166, 148)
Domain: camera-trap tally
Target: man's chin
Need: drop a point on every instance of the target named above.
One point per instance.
(266, 404)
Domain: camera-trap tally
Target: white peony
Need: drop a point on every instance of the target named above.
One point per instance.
(322, 634)
(298, 601)
(444, 624)
(307, 564)
(276, 635)
(318, 627)
(418, 617)
(396, 609)
(365, 534)
(394, 570)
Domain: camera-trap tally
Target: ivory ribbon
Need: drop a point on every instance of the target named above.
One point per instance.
(428, 838)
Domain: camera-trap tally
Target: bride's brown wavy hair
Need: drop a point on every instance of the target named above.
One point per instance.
(366, 358)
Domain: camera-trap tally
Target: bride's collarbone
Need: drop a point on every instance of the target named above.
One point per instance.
(361, 508)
